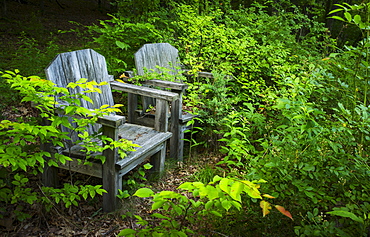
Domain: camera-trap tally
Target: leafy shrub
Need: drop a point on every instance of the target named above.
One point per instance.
(118, 39)
(180, 215)
(19, 159)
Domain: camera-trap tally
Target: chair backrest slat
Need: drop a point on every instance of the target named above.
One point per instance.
(160, 54)
(72, 66)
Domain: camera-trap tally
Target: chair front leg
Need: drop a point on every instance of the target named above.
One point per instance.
(111, 180)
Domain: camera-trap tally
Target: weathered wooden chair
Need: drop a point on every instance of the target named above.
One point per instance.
(70, 67)
(153, 57)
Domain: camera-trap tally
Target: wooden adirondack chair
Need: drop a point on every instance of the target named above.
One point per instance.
(148, 58)
(70, 67)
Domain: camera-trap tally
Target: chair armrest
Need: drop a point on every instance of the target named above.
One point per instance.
(111, 120)
(167, 84)
(160, 83)
(145, 91)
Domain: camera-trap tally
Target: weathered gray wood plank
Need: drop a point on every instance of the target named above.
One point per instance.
(72, 66)
(148, 148)
(94, 170)
(161, 116)
(160, 54)
(146, 91)
(111, 180)
(167, 84)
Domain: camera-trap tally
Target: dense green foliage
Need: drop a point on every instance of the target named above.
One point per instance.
(288, 104)
(19, 151)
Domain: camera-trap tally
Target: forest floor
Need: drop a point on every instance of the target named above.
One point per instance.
(87, 219)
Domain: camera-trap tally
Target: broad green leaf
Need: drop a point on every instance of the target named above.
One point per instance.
(31, 199)
(208, 205)
(216, 178)
(143, 192)
(226, 204)
(169, 194)
(333, 55)
(127, 232)
(235, 191)
(252, 192)
(357, 19)
(156, 234)
(362, 25)
(216, 213)
(283, 211)
(22, 165)
(224, 185)
(177, 209)
(69, 109)
(309, 167)
(211, 192)
(266, 206)
(122, 45)
(347, 214)
(348, 16)
(101, 191)
(236, 204)
(92, 193)
(181, 234)
(157, 204)
(148, 166)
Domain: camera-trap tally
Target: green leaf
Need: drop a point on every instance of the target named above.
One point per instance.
(226, 204)
(92, 193)
(208, 205)
(158, 204)
(69, 109)
(237, 205)
(148, 166)
(216, 213)
(357, 19)
(122, 45)
(216, 178)
(235, 191)
(101, 191)
(336, 10)
(337, 18)
(212, 192)
(348, 16)
(224, 185)
(181, 234)
(158, 215)
(186, 186)
(22, 165)
(347, 214)
(127, 232)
